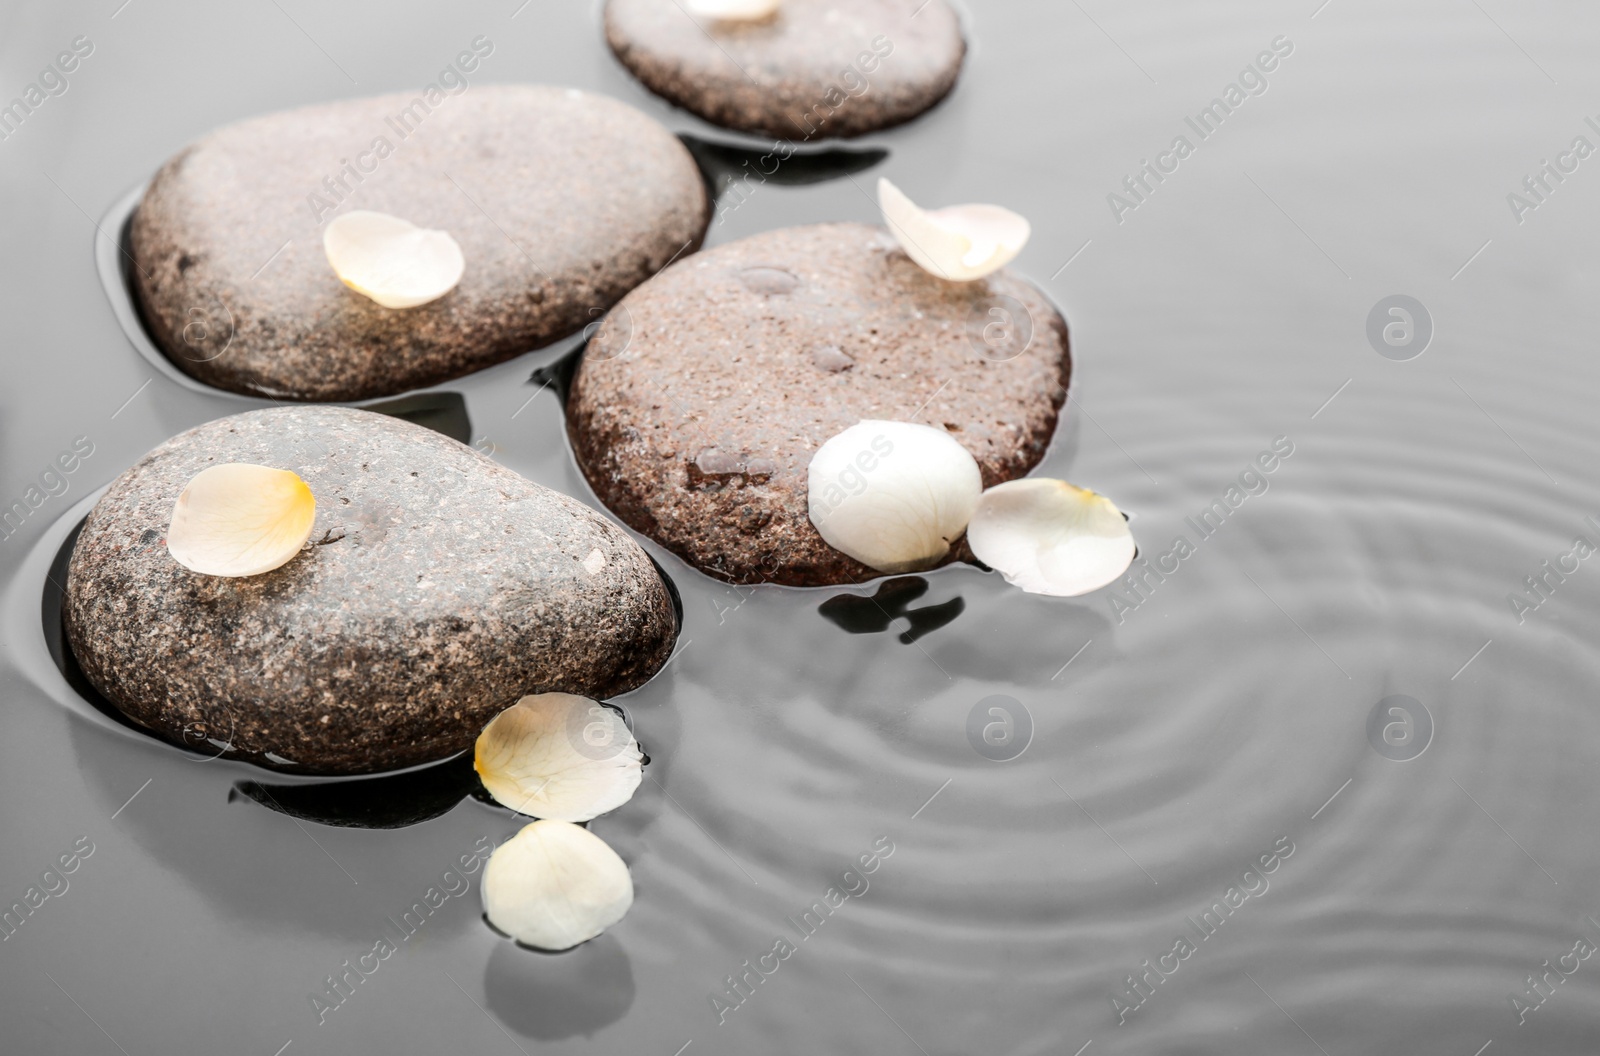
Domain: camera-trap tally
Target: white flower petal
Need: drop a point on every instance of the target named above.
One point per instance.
(962, 243)
(893, 495)
(554, 885)
(390, 260)
(735, 10)
(555, 755)
(240, 520)
(1049, 537)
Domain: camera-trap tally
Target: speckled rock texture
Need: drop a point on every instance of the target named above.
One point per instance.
(438, 587)
(696, 409)
(815, 70)
(562, 202)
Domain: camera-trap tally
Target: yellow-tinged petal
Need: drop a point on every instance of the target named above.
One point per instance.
(556, 755)
(735, 10)
(391, 260)
(963, 243)
(239, 519)
(554, 885)
(1050, 537)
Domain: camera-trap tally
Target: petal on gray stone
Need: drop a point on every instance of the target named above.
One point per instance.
(700, 433)
(438, 588)
(562, 201)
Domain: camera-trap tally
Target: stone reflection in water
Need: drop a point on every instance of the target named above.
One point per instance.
(725, 164)
(443, 412)
(553, 996)
(873, 615)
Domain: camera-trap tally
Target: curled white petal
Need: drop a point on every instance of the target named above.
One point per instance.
(962, 243)
(239, 519)
(556, 755)
(735, 10)
(893, 495)
(554, 885)
(391, 260)
(1049, 537)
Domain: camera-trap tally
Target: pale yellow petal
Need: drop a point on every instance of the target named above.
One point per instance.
(554, 885)
(892, 495)
(1049, 537)
(391, 260)
(734, 10)
(962, 243)
(239, 519)
(556, 755)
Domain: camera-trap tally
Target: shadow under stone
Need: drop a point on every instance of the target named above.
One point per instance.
(443, 412)
(726, 163)
(392, 802)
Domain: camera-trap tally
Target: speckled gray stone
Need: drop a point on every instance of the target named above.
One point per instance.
(562, 201)
(696, 409)
(815, 70)
(438, 588)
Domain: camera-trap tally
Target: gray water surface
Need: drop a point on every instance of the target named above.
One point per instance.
(1175, 737)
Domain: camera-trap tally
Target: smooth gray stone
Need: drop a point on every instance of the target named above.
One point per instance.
(562, 201)
(816, 70)
(437, 589)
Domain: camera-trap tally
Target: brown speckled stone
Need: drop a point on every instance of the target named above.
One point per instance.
(696, 423)
(562, 202)
(439, 588)
(817, 69)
